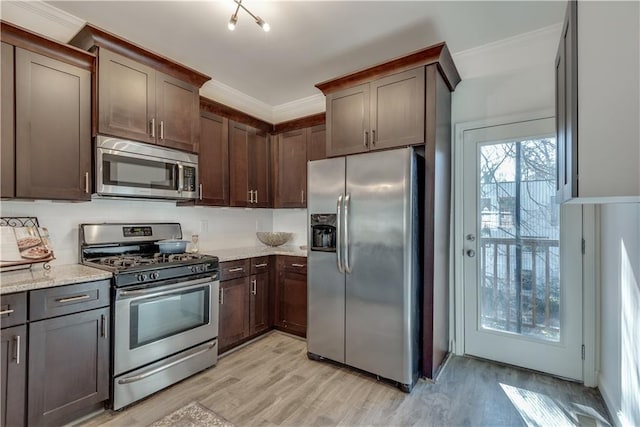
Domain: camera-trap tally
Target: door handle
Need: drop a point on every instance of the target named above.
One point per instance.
(471, 237)
(471, 253)
(256, 198)
(347, 207)
(221, 296)
(366, 137)
(161, 129)
(86, 182)
(180, 177)
(302, 196)
(200, 187)
(254, 287)
(373, 137)
(103, 326)
(16, 340)
(153, 128)
(339, 235)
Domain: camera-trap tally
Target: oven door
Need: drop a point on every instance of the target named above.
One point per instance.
(153, 323)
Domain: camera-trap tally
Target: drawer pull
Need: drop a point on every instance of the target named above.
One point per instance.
(261, 265)
(72, 299)
(234, 270)
(9, 311)
(298, 265)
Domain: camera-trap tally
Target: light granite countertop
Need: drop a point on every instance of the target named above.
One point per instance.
(38, 277)
(67, 274)
(232, 254)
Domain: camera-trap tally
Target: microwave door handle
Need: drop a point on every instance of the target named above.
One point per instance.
(180, 177)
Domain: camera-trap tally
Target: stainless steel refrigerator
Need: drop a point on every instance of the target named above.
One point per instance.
(364, 269)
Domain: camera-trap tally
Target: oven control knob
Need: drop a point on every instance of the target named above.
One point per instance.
(154, 276)
(141, 277)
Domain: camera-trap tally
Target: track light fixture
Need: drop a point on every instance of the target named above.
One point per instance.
(234, 18)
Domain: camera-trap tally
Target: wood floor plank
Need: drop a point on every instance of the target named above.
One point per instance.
(271, 382)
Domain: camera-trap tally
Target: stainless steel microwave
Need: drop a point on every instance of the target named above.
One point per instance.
(134, 169)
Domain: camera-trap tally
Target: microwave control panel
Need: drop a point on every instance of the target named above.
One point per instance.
(189, 179)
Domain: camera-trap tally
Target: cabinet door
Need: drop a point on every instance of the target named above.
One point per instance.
(13, 375)
(68, 366)
(234, 312)
(259, 310)
(397, 110)
(259, 172)
(239, 164)
(348, 121)
(53, 128)
(291, 169)
(567, 108)
(7, 151)
(177, 110)
(126, 98)
(291, 297)
(213, 160)
(317, 143)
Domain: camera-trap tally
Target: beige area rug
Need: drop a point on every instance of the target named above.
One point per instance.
(192, 415)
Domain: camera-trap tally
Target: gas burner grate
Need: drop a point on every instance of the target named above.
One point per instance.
(162, 258)
(127, 261)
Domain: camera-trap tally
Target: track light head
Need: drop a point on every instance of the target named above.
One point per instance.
(263, 24)
(234, 18)
(232, 22)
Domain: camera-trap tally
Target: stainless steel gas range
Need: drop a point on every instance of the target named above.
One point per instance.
(164, 307)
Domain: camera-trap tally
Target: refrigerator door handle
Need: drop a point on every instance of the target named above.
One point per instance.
(339, 235)
(347, 206)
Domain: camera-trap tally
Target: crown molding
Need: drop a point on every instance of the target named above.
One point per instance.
(42, 18)
(303, 107)
(510, 54)
(231, 97)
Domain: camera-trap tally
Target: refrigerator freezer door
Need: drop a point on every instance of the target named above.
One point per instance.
(325, 283)
(380, 290)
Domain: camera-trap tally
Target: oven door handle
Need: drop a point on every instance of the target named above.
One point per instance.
(164, 290)
(197, 351)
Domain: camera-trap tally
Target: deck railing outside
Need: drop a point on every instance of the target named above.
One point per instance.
(533, 309)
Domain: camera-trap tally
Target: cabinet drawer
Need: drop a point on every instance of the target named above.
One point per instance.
(13, 308)
(234, 269)
(260, 264)
(294, 264)
(69, 299)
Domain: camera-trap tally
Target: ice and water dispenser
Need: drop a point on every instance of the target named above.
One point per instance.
(323, 232)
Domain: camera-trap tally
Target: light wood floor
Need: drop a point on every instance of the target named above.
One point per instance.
(271, 382)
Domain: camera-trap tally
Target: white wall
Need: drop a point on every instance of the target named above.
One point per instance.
(217, 227)
(619, 378)
(292, 220)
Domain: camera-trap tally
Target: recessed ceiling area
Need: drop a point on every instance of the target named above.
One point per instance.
(309, 41)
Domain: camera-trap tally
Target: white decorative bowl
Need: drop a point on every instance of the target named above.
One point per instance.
(274, 238)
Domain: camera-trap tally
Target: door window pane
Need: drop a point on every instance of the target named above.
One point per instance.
(519, 265)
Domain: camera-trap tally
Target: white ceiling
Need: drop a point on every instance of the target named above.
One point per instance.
(309, 41)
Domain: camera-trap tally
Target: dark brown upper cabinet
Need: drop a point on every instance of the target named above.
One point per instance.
(317, 144)
(142, 95)
(213, 160)
(290, 164)
(383, 106)
(51, 140)
(249, 158)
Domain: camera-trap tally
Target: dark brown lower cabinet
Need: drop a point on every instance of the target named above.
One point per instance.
(68, 367)
(259, 303)
(291, 295)
(233, 324)
(13, 375)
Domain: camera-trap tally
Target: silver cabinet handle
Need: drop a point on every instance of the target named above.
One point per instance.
(16, 340)
(200, 187)
(471, 253)
(366, 137)
(103, 326)
(72, 299)
(199, 350)
(347, 207)
(261, 265)
(256, 199)
(86, 182)
(233, 270)
(254, 287)
(302, 196)
(161, 129)
(250, 196)
(221, 296)
(153, 128)
(339, 235)
(373, 137)
(298, 265)
(8, 311)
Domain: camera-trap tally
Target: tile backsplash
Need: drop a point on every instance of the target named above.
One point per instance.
(217, 227)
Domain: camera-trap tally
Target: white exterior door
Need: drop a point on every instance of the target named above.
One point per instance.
(522, 252)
